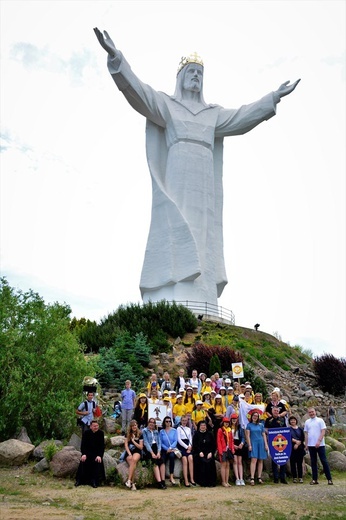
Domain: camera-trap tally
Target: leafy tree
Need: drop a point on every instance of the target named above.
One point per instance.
(200, 355)
(88, 333)
(126, 359)
(330, 373)
(42, 366)
(214, 365)
(113, 372)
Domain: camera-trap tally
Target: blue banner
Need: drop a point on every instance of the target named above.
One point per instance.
(280, 445)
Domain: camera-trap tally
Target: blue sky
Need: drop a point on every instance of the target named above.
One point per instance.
(75, 188)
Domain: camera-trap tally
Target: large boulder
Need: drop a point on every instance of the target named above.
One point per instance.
(144, 476)
(337, 461)
(328, 448)
(109, 425)
(75, 441)
(108, 462)
(39, 450)
(65, 462)
(14, 452)
(335, 445)
(23, 436)
(119, 440)
(178, 468)
(42, 465)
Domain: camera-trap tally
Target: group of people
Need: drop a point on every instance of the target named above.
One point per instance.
(203, 422)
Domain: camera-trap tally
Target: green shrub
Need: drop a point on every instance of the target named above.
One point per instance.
(42, 366)
(155, 321)
(50, 450)
(113, 478)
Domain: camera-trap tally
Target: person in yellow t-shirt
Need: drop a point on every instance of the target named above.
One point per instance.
(219, 412)
(258, 399)
(206, 387)
(153, 384)
(248, 397)
(195, 393)
(212, 397)
(199, 414)
(189, 401)
(229, 395)
(206, 399)
(179, 409)
(223, 394)
(173, 397)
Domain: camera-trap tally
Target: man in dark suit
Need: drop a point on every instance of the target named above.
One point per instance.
(91, 470)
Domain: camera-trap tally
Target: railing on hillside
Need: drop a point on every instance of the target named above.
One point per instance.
(209, 310)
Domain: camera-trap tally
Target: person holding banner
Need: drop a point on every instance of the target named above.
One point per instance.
(257, 445)
(272, 423)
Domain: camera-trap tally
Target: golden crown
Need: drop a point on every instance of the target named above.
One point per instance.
(192, 58)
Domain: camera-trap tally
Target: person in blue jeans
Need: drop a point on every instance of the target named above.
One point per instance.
(315, 429)
(128, 400)
(169, 439)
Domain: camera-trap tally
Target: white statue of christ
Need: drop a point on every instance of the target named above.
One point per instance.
(184, 142)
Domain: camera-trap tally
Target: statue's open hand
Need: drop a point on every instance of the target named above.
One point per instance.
(286, 88)
(106, 42)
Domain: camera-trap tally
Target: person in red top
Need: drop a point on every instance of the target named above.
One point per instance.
(225, 448)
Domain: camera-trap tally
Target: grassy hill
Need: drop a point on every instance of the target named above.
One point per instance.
(258, 348)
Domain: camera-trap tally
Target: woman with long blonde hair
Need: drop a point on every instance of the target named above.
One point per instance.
(133, 451)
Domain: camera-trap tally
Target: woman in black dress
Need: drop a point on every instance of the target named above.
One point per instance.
(298, 449)
(204, 446)
(133, 451)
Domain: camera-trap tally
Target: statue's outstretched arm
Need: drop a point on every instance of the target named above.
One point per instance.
(106, 42)
(286, 88)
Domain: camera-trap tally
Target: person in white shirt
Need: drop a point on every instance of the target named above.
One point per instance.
(315, 429)
(195, 381)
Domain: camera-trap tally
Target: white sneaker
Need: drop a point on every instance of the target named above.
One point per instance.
(128, 484)
(238, 482)
(242, 483)
(133, 487)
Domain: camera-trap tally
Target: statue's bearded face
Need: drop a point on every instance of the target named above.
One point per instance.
(193, 78)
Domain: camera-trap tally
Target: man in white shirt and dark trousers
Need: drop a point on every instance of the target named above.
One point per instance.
(315, 429)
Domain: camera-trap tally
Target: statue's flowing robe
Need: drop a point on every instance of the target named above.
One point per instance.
(184, 145)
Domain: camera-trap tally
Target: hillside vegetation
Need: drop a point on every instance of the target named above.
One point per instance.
(255, 347)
